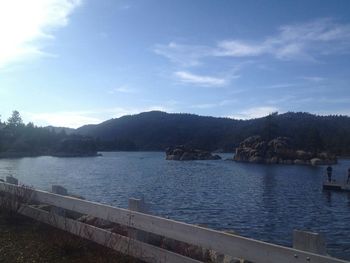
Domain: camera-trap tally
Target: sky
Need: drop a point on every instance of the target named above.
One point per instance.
(75, 62)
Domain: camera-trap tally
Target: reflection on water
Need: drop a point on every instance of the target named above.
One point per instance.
(259, 201)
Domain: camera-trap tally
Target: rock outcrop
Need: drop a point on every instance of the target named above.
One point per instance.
(278, 151)
(183, 153)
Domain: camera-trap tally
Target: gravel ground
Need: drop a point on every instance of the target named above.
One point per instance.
(25, 240)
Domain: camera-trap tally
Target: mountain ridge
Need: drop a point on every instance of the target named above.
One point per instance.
(157, 130)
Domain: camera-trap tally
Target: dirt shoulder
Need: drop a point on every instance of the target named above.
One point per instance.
(25, 240)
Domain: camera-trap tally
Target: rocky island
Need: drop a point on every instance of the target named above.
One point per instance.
(279, 151)
(183, 153)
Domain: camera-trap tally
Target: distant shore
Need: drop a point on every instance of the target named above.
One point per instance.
(10, 155)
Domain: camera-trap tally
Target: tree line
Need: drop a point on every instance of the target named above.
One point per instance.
(158, 130)
(18, 139)
(155, 131)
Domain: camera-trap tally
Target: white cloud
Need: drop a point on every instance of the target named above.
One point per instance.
(325, 100)
(280, 86)
(303, 41)
(204, 106)
(63, 119)
(122, 89)
(236, 48)
(25, 24)
(298, 41)
(314, 79)
(213, 105)
(200, 80)
(289, 99)
(184, 55)
(255, 112)
(125, 7)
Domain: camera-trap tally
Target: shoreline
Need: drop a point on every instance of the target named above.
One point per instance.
(15, 155)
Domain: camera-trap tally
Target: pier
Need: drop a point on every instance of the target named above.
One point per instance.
(336, 186)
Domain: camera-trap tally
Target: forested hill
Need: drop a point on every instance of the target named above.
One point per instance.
(157, 130)
(20, 140)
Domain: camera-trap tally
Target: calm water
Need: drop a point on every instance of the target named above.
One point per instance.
(259, 201)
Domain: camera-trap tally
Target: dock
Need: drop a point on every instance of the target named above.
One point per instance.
(336, 186)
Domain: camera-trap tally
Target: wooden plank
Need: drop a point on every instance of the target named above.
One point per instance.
(122, 244)
(233, 245)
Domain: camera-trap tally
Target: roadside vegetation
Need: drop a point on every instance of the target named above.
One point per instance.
(23, 240)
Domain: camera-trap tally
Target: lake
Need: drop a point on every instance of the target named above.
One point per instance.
(265, 202)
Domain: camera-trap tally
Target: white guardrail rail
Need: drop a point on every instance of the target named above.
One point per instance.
(22, 199)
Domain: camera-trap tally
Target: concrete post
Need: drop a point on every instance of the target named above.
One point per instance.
(138, 205)
(310, 242)
(60, 190)
(11, 180)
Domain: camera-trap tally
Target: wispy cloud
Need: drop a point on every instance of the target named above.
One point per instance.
(303, 41)
(237, 48)
(325, 100)
(313, 79)
(213, 105)
(204, 106)
(297, 41)
(25, 24)
(284, 99)
(184, 55)
(200, 80)
(125, 7)
(280, 86)
(122, 89)
(254, 112)
(72, 119)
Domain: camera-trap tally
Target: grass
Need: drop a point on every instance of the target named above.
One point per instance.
(28, 241)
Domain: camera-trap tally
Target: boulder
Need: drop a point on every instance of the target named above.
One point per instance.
(280, 150)
(316, 161)
(286, 162)
(256, 159)
(183, 153)
(301, 162)
(272, 160)
(187, 156)
(303, 155)
(173, 157)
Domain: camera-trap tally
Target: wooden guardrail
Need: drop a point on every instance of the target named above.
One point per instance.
(222, 242)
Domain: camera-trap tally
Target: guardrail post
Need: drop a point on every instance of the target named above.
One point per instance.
(60, 190)
(138, 205)
(310, 242)
(11, 180)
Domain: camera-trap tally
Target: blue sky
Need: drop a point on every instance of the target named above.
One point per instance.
(73, 62)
